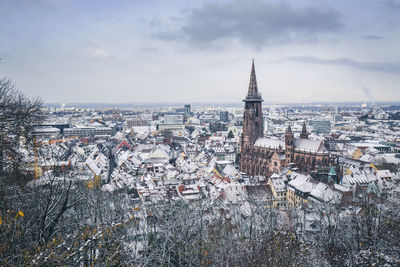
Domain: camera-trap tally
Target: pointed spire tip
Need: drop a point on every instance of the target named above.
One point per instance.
(253, 90)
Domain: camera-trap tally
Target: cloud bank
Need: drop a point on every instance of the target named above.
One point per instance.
(254, 23)
(386, 67)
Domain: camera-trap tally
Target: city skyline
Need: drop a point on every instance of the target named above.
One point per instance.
(158, 51)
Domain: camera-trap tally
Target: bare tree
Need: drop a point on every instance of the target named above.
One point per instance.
(18, 115)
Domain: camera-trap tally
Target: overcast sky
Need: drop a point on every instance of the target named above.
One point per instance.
(192, 51)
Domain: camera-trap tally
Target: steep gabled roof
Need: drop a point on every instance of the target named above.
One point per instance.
(269, 143)
(325, 193)
(309, 145)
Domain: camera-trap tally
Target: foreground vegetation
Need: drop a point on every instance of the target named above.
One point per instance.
(65, 224)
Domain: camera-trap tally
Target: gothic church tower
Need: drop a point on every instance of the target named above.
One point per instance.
(289, 145)
(253, 123)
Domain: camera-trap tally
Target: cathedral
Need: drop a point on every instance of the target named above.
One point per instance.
(265, 156)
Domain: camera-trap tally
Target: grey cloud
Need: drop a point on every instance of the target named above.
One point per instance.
(372, 37)
(387, 67)
(255, 23)
(394, 4)
(167, 36)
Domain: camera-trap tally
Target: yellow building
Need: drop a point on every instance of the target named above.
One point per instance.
(298, 189)
(356, 154)
(278, 189)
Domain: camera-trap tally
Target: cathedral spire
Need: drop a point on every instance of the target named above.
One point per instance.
(252, 94)
(253, 89)
(304, 134)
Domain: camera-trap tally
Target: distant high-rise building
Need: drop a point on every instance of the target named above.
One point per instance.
(173, 119)
(337, 118)
(188, 112)
(136, 122)
(224, 116)
(321, 126)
